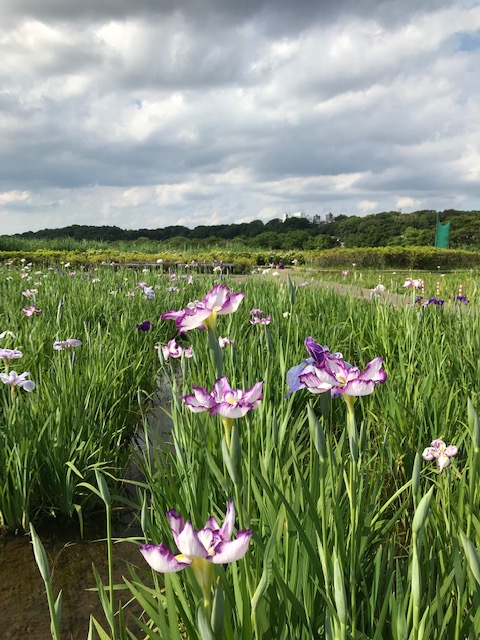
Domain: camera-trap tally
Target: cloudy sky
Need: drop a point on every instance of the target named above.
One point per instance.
(148, 113)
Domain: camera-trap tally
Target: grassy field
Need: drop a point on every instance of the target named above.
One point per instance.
(353, 533)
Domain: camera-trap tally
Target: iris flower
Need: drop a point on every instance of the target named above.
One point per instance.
(340, 378)
(412, 282)
(144, 326)
(211, 544)
(437, 301)
(172, 350)
(318, 355)
(227, 402)
(222, 342)
(30, 311)
(460, 298)
(200, 315)
(440, 452)
(15, 380)
(67, 344)
(10, 354)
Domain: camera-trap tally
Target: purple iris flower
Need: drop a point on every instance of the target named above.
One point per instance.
(437, 301)
(340, 378)
(146, 325)
(211, 544)
(200, 315)
(227, 402)
(318, 355)
(462, 299)
(440, 452)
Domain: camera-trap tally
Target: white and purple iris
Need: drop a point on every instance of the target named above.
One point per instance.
(10, 354)
(172, 350)
(438, 301)
(227, 402)
(318, 356)
(15, 380)
(30, 311)
(325, 371)
(61, 345)
(211, 544)
(200, 315)
(440, 452)
(415, 283)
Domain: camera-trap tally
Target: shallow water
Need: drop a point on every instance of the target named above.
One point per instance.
(23, 602)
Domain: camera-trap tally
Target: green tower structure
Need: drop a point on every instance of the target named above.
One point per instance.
(442, 235)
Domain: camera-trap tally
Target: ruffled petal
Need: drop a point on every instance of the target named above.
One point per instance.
(234, 550)
(254, 394)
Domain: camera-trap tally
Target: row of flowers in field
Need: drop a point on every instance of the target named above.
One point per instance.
(321, 372)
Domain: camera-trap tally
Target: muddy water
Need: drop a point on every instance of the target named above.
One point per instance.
(23, 603)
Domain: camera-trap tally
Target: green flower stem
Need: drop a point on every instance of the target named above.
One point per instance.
(352, 494)
(227, 425)
(203, 572)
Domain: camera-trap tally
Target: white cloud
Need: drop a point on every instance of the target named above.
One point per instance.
(149, 114)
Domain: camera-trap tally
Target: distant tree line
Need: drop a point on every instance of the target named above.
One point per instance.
(390, 228)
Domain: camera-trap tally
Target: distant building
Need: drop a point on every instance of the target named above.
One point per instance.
(297, 214)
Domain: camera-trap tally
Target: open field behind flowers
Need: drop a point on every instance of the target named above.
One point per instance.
(321, 479)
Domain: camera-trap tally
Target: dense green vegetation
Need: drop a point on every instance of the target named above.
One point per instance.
(354, 534)
(382, 229)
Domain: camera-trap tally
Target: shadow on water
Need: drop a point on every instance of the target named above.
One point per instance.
(23, 602)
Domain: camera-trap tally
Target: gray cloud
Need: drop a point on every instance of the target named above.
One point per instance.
(122, 113)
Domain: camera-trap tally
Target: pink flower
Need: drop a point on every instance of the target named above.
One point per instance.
(199, 315)
(29, 311)
(224, 341)
(227, 402)
(440, 452)
(172, 350)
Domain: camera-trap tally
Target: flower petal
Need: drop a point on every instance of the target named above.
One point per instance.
(175, 520)
(226, 529)
(359, 387)
(234, 550)
(254, 394)
(451, 451)
(220, 388)
(189, 543)
(161, 559)
(231, 303)
(216, 297)
(293, 379)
